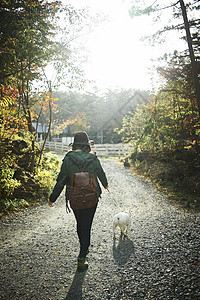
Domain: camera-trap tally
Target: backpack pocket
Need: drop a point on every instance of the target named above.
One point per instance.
(83, 190)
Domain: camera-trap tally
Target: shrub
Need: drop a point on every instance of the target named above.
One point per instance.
(7, 183)
(18, 186)
(46, 174)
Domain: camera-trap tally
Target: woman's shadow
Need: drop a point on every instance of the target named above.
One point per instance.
(75, 291)
(122, 250)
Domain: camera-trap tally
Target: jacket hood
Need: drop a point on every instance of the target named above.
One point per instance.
(80, 157)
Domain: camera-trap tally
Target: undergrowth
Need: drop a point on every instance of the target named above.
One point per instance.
(20, 187)
(176, 173)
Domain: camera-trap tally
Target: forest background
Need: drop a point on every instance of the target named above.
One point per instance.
(164, 129)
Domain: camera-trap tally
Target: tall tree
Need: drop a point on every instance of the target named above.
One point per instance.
(191, 52)
(179, 12)
(26, 37)
(28, 42)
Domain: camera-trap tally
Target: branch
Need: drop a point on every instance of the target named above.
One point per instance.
(148, 10)
(166, 7)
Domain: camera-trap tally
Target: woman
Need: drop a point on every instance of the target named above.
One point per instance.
(81, 155)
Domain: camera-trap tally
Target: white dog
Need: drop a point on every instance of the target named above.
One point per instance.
(123, 221)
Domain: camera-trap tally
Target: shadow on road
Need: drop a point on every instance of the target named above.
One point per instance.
(122, 250)
(75, 291)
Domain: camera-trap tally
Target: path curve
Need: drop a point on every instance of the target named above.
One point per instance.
(158, 260)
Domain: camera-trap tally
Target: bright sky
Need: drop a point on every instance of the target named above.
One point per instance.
(117, 56)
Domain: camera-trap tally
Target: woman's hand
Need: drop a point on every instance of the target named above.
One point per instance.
(50, 203)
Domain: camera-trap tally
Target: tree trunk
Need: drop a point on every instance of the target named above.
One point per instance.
(191, 52)
(50, 121)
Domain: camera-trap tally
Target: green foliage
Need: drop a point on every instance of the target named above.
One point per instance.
(170, 119)
(132, 126)
(13, 205)
(136, 10)
(33, 36)
(19, 187)
(7, 183)
(25, 42)
(46, 174)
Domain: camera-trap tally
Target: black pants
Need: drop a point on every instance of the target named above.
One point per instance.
(84, 218)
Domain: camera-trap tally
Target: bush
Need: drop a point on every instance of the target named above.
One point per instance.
(177, 172)
(19, 187)
(47, 173)
(7, 183)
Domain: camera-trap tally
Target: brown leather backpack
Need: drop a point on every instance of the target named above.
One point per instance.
(83, 188)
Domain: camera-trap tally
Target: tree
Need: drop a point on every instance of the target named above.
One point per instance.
(180, 88)
(27, 32)
(28, 43)
(191, 52)
(179, 10)
(25, 41)
(98, 114)
(11, 120)
(170, 119)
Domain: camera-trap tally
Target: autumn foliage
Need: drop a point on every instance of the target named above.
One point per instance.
(170, 119)
(27, 29)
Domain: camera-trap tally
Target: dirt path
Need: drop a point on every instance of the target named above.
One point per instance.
(159, 259)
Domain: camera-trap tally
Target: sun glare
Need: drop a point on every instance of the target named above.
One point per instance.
(117, 57)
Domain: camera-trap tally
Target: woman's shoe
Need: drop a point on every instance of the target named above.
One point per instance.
(82, 264)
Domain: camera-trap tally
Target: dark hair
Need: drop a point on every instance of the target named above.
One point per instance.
(84, 148)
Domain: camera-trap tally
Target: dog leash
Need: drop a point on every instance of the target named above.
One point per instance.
(114, 199)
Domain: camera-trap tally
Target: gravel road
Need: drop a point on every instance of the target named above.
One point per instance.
(158, 260)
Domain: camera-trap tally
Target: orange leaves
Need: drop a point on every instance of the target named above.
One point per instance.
(9, 94)
(47, 100)
(10, 118)
(81, 122)
(53, 4)
(58, 128)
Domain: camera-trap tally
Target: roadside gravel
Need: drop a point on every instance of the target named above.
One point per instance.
(158, 260)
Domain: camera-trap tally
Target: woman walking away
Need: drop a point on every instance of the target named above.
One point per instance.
(80, 172)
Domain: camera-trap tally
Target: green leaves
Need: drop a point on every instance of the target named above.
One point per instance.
(170, 119)
(25, 36)
(136, 11)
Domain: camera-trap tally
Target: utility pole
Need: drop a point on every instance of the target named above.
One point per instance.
(191, 51)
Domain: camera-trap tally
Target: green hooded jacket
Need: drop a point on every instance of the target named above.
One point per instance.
(68, 168)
